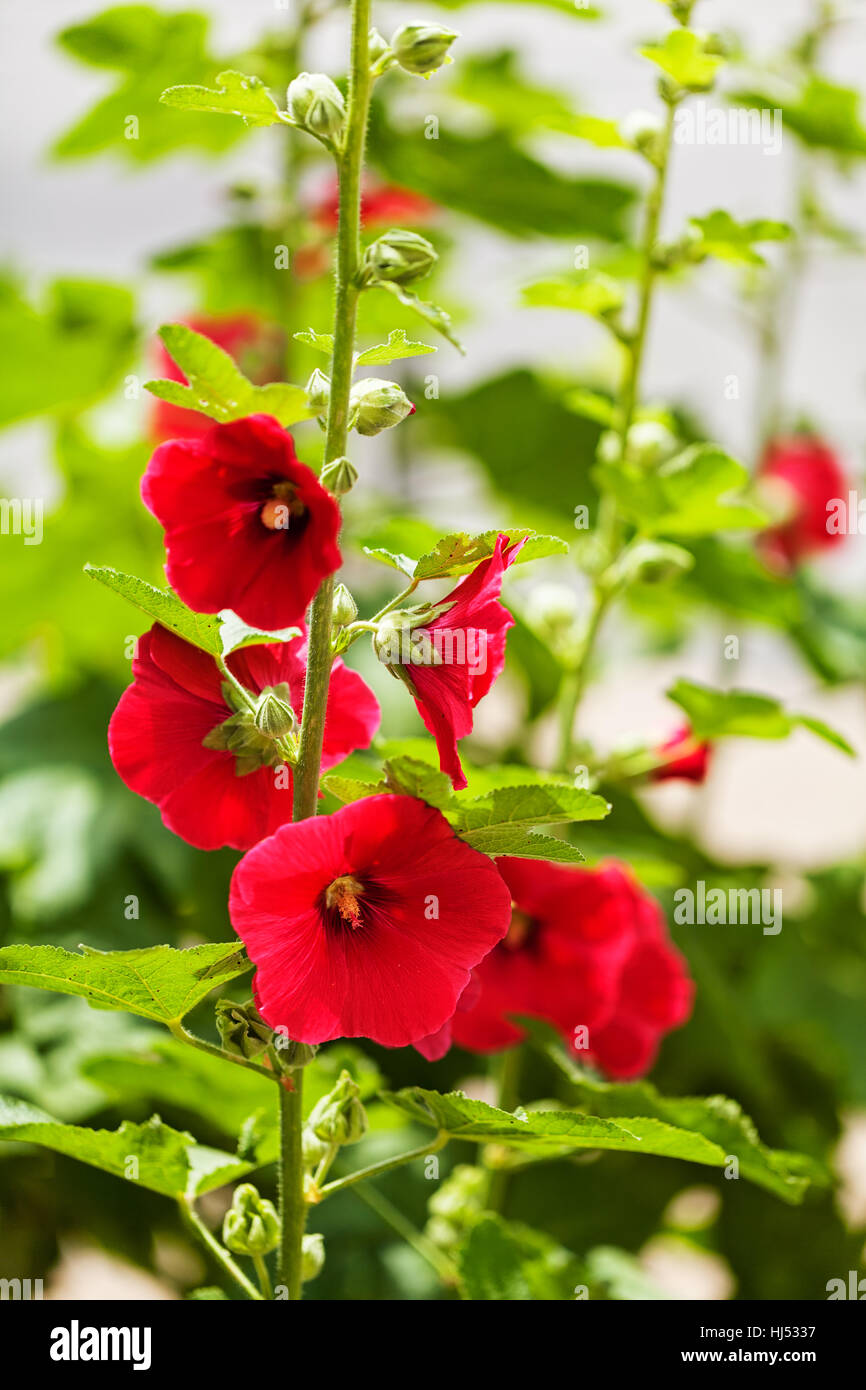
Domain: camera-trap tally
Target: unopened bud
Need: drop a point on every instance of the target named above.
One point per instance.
(339, 476)
(316, 103)
(274, 714)
(242, 1029)
(398, 257)
(376, 405)
(345, 609)
(318, 390)
(644, 131)
(312, 1256)
(313, 1148)
(422, 48)
(339, 1117)
(251, 1225)
(649, 442)
(378, 47)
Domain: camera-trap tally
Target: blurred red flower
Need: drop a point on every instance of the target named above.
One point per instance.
(256, 346)
(247, 525)
(812, 476)
(367, 922)
(212, 796)
(382, 205)
(452, 661)
(588, 951)
(682, 757)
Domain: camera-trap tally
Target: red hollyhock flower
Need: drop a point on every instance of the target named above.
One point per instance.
(682, 757)
(812, 476)
(382, 205)
(587, 948)
(247, 525)
(168, 737)
(257, 347)
(366, 923)
(450, 662)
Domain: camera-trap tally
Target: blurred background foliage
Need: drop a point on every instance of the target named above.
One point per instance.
(781, 1027)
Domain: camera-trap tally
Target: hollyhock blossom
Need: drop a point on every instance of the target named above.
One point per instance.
(586, 949)
(216, 782)
(450, 661)
(811, 476)
(247, 525)
(257, 347)
(682, 757)
(367, 922)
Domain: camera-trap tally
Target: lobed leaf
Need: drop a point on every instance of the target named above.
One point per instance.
(744, 714)
(236, 94)
(218, 388)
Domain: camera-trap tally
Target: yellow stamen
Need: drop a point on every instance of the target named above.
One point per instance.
(343, 895)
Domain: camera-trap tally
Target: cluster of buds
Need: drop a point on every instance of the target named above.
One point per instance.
(251, 1225)
(260, 733)
(245, 1033)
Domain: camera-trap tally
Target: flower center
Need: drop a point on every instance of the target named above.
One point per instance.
(521, 929)
(343, 895)
(283, 504)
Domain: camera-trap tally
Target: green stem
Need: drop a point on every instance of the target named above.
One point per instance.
(195, 1224)
(178, 1031)
(608, 521)
(293, 1203)
(263, 1276)
(375, 1170)
(507, 1097)
(419, 1242)
(349, 165)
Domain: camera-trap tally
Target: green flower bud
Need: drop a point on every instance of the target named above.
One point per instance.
(251, 1225)
(312, 1256)
(339, 1117)
(316, 103)
(422, 48)
(318, 390)
(644, 131)
(292, 1054)
(345, 609)
(339, 476)
(274, 715)
(398, 257)
(312, 1147)
(242, 1029)
(376, 405)
(649, 442)
(379, 47)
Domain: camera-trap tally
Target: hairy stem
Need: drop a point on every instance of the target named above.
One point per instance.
(195, 1224)
(375, 1170)
(419, 1242)
(629, 396)
(293, 1203)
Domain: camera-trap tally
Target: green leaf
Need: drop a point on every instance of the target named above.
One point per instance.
(540, 803)
(714, 1120)
(460, 552)
(592, 406)
(236, 95)
(403, 563)
(431, 313)
(156, 982)
(151, 1155)
(69, 352)
(218, 388)
(743, 714)
(821, 113)
(729, 240)
(518, 842)
(322, 342)
(494, 82)
(397, 346)
(503, 1261)
(488, 177)
(693, 494)
(216, 633)
(683, 57)
(148, 50)
(587, 292)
